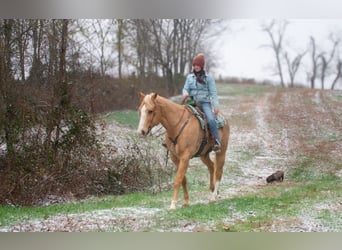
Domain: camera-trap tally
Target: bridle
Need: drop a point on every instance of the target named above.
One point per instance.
(153, 115)
(185, 123)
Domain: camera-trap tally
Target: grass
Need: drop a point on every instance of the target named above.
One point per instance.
(228, 89)
(251, 212)
(242, 120)
(256, 211)
(128, 118)
(339, 97)
(11, 215)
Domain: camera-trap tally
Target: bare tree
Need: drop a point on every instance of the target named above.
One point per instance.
(99, 35)
(326, 60)
(162, 41)
(276, 31)
(314, 61)
(53, 30)
(293, 66)
(119, 44)
(167, 44)
(139, 42)
(22, 33)
(195, 38)
(8, 125)
(37, 68)
(338, 73)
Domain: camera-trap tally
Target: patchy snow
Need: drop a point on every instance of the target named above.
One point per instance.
(116, 219)
(253, 154)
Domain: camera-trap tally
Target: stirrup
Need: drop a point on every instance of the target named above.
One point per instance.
(217, 148)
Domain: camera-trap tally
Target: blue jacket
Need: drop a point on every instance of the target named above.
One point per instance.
(201, 92)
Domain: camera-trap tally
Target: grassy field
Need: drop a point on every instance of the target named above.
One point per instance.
(298, 131)
(128, 118)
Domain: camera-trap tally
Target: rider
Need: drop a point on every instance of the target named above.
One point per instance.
(201, 87)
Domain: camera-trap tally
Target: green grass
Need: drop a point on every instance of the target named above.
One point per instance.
(339, 97)
(227, 89)
(313, 168)
(128, 118)
(249, 212)
(11, 215)
(253, 212)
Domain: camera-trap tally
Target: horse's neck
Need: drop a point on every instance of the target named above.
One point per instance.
(171, 114)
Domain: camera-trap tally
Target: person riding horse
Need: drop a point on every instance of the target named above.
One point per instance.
(183, 138)
(201, 88)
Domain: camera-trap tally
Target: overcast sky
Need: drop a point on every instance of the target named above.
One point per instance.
(244, 55)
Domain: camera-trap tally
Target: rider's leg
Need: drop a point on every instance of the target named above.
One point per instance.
(206, 107)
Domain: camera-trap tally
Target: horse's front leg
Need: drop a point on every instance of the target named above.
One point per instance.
(180, 179)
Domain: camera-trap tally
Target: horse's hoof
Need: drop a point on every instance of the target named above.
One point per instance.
(186, 205)
(173, 205)
(212, 201)
(172, 208)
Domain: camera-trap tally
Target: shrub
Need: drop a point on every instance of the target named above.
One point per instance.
(49, 144)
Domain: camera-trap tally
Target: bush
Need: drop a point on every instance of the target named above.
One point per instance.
(49, 144)
(134, 164)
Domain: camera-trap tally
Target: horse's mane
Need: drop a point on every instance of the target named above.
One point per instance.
(161, 100)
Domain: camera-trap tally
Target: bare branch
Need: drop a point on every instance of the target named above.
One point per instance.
(276, 32)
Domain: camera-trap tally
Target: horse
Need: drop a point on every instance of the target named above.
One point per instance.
(183, 138)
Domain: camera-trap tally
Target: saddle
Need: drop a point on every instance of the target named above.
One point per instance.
(219, 119)
(207, 135)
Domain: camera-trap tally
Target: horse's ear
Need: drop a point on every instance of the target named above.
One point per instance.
(154, 96)
(141, 95)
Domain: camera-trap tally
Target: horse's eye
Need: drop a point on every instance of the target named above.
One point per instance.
(150, 112)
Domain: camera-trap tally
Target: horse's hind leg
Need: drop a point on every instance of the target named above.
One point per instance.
(218, 165)
(215, 170)
(220, 158)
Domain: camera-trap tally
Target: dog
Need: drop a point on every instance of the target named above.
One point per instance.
(277, 176)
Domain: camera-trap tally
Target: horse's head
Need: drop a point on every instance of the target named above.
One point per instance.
(148, 114)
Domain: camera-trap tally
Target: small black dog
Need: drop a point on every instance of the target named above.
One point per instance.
(277, 176)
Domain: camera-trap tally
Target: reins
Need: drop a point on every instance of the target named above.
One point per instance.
(174, 141)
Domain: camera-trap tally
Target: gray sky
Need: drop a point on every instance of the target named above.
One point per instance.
(243, 54)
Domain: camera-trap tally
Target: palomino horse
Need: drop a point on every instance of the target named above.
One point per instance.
(184, 137)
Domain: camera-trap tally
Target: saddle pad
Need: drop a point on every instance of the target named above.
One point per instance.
(198, 116)
(219, 119)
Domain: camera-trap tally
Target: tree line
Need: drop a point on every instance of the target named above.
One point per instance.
(116, 47)
(324, 63)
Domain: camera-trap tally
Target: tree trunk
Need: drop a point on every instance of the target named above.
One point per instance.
(276, 44)
(119, 45)
(338, 74)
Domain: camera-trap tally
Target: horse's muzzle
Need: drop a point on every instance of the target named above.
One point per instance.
(142, 133)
